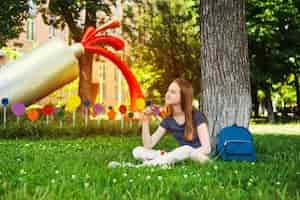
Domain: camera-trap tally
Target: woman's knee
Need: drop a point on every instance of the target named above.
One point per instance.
(199, 157)
(136, 152)
(186, 149)
(139, 152)
(181, 153)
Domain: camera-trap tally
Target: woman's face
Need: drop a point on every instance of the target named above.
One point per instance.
(172, 96)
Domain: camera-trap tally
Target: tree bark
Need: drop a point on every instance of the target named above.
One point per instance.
(87, 89)
(297, 93)
(225, 74)
(254, 90)
(268, 102)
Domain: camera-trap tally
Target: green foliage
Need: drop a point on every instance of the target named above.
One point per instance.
(165, 40)
(69, 13)
(274, 45)
(284, 92)
(147, 76)
(12, 16)
(12, 54)
(273, 30)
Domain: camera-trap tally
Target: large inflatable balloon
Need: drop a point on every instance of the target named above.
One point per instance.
(54, 64)
(92, 38)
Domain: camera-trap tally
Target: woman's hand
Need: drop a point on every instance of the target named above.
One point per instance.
(147, 113)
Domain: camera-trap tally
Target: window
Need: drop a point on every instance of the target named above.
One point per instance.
(103, 72)
(30, 29)
(32, 8)
(102, 82)
(118, 81)
(30, 21)
(103, 92)
(116, 92)
(116, 73)
(51, 31)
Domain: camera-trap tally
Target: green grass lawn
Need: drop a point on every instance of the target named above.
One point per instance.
(76, 168)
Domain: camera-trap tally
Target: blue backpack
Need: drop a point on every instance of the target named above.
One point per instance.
(235, 143)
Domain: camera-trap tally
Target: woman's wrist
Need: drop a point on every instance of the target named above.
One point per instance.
(145, 120)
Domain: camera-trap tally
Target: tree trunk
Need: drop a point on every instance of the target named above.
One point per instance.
(225, 72)
(87, 89)
(254, 90)
(268, 102)
(297, 93)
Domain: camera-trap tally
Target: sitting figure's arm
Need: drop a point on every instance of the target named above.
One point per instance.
(201, 154)
(149, 141)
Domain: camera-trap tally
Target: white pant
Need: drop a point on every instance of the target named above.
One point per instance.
(156, 157)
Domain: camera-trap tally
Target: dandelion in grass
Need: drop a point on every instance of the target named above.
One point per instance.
(185, 176)
(22, 172)
(52, 180)
(159, 178)
(278, 183)
(164, 167)
(216, 167)
(73, 176)
(131, 180)
(56, 172)
(148, 177)
(86, 184)
(114, 180)
(125, 174)
(207, 173)
(236, 171)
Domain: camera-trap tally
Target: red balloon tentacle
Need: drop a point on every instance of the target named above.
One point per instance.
(134, 87)
(115, 42)
(109, 25)
(89, 31)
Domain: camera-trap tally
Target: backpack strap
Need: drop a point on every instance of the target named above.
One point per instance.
(219, 153)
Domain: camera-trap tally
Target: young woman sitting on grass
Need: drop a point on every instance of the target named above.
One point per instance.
(189, 127)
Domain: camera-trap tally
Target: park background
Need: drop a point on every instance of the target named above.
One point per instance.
(247, 49)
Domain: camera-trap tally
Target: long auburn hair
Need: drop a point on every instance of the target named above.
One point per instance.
(186, 95)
